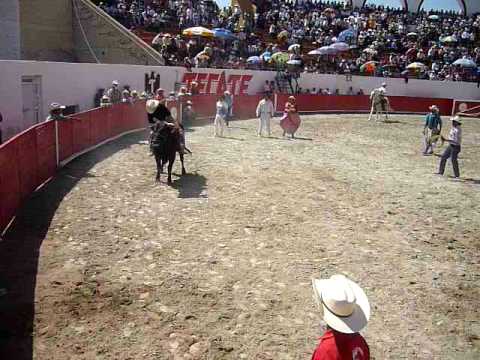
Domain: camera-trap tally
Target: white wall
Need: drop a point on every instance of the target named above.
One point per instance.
(76, 84)
(9, 29)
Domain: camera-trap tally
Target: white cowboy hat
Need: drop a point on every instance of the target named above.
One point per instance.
(57, 106)
(226, 92)
(384, 84)
(433, 107)
(114, 82)
(345, 305)
(152, 105)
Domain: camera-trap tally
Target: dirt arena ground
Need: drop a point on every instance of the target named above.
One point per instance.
(219, 265)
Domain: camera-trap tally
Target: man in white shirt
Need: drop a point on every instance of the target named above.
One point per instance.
(265, 112)
(454, 147)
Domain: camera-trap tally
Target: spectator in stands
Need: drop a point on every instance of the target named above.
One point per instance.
(346, 312)
(98, 97)
(105, 101)
(114, 93)
(159, 94)
(56, 112)
(373, 33)
(126, 96)
(134, 96)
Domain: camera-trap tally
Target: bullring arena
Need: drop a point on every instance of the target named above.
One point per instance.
(219, 265)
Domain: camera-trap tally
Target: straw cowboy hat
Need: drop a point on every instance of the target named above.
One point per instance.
(151, 106)
(433, 108)
(457, 120)
(345, 305)
(115, 82)
(56, 106)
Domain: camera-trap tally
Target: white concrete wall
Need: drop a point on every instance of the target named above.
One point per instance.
(76, 84)
(9, 30)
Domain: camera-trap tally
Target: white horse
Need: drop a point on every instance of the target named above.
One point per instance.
(380, 104)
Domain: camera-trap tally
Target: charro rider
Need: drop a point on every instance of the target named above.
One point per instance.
(159, 118)
(378, 96)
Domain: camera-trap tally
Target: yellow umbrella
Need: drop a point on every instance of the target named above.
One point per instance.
(416, 66)
(198, 31)
(280, 57)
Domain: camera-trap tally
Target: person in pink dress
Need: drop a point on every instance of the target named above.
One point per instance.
(291, 120)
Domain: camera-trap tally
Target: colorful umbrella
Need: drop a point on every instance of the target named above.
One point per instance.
(449, 39)
(198, 31)
(434, 17)
(368, 67)
(327, 50)
(280, 57)
(412, 34)
(223, 34)
(416, 66)
(293, 47)
(466, 63)
(340, 46)
(315, 52)
(254, 60)
(266, 56)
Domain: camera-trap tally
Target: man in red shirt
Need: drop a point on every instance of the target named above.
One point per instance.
(346, 311)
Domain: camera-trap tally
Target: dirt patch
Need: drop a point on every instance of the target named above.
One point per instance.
(218, 266)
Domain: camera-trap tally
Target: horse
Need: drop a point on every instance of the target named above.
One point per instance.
(165, 143)
(380, 104)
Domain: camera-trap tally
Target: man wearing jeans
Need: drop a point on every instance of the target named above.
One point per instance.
(454, 147)
(432, 129)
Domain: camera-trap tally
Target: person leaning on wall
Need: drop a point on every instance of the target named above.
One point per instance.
(56, 112)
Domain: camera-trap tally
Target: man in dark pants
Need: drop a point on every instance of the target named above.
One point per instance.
(454, 147)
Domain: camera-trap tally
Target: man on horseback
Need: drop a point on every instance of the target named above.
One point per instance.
(166, 137)
(380, 103)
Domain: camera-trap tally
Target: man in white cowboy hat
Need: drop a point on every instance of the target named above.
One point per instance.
(56, 112)
(346, 311)
(454, 147)
(114, 94)
(432, 129)
(265, 112)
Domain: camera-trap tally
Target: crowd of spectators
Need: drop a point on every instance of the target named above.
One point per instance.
(389, 40)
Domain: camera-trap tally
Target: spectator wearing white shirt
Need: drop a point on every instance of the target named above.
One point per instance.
(454, 147)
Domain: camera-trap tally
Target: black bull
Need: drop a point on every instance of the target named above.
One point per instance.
(165, 144)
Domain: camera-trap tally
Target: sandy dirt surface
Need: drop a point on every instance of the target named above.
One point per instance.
(219, 265)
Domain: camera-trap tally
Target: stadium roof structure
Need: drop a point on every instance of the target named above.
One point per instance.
(468, 7)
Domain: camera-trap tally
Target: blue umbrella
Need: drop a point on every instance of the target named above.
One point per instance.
(223, 34)
(266, 55)
(254, 60)
(345, 35)
(465, 63)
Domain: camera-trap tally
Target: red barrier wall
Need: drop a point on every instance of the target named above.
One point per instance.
(30, 158)
(347, 103)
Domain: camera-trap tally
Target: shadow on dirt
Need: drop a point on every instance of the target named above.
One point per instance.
(20, 249)
(191, 186)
